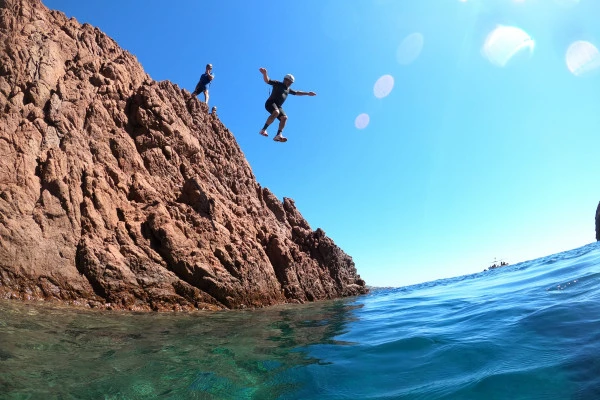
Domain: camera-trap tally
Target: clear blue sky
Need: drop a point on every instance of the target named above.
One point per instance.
(487, 146)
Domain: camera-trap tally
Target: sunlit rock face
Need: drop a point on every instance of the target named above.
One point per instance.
(120, 192)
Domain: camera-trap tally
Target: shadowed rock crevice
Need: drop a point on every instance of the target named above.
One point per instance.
(120, 192)
(193, 195)
(90, 267)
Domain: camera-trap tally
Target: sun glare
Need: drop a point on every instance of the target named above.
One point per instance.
(504, 42)
(582, 57)
(567, 3)
(383, 87)
(362, 121)
(410, 48)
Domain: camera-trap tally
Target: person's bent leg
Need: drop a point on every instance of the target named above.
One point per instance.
(274, 114)
(282, 121)
(272, 108)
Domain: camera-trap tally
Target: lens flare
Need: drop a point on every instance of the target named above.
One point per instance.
(567, 3)
(582, 57)
(383, 86)
(504, 42)
(410, 48)
(362, 121)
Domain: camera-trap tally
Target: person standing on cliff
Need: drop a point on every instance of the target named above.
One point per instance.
(276, 100)
(205, 80)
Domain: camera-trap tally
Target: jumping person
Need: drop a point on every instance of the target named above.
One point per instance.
(275, 101)
(205, 79)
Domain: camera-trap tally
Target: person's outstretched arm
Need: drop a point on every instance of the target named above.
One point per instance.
(263, 71)
(301, 93)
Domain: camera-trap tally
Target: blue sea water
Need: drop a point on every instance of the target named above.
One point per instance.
(525, 331)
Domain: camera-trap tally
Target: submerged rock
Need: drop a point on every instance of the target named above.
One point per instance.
(120, 192)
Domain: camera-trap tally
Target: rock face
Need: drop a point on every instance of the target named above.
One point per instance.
(120, 192)
(598, 222)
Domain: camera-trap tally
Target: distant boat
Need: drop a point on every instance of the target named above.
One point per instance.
(497, 264)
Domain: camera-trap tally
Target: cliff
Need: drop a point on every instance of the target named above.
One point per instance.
(120, 192)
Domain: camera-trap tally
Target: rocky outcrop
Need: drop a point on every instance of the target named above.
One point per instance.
(120, 192)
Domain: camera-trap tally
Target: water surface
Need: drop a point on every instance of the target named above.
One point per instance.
(525, 331)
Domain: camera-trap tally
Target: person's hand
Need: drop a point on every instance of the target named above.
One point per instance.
(312, 94)
(262, 70)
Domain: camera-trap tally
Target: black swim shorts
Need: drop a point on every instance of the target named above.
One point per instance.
(271, 106)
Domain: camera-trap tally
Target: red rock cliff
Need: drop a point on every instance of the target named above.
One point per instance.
(120, 192)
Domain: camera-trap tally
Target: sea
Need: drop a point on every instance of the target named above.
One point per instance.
(524, 331)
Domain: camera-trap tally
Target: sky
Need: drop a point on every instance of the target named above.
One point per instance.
(445, 136)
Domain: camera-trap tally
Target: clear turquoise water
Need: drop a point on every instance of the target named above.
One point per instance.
(527, 331)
